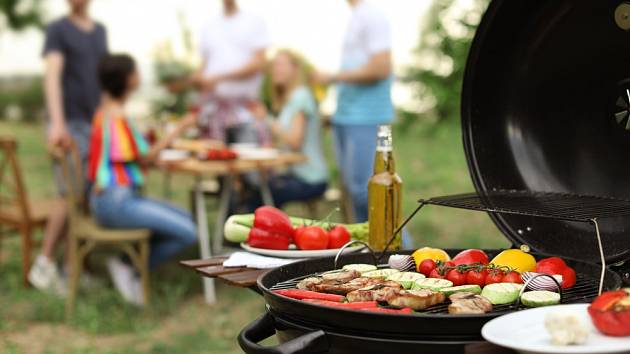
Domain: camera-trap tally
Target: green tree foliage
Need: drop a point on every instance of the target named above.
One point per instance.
(436, 77)
(18, 15)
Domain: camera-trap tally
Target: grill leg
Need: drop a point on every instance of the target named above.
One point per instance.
(204, 240)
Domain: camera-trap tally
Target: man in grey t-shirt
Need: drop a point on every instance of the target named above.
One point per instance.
(73, 47)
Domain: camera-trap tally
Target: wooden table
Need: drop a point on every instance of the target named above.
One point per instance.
(228, 171)
(246, 278)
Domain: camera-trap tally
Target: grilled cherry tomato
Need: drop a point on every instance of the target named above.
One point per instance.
(449, 264)
(513, 277)
(426, 266)
(435, 274)
(338, 236)
(494, 276)
(313, 238)
(456, 277)
(474, 277)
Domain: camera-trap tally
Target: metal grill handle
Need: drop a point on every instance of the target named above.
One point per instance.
(340, 252)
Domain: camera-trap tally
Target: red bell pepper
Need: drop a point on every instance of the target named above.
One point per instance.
(471, 256)
(273, 220)
(306, 294)
(405, 310)
(556, 266)
(610, 313)
(260, 238)
(346, 305)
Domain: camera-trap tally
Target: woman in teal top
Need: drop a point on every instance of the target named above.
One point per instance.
(296, 128)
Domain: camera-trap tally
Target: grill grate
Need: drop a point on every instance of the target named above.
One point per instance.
(562, 206)
(584, 291)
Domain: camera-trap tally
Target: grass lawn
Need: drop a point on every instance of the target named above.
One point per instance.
(430, 161)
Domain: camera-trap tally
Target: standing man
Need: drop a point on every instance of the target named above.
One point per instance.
(73, 47)
(364, 98)
(233, 48)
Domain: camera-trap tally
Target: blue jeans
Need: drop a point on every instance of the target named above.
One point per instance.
(355, 146)
(172, 228)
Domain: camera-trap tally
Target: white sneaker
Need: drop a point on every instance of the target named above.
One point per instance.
(125, 280)
(45, 277)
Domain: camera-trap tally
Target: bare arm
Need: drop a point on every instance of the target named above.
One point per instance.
(255, 65)
(379, 67)
(294, 137)
(58, 134)
(165, 142)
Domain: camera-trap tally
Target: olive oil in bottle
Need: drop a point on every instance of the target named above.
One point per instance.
(384, 195)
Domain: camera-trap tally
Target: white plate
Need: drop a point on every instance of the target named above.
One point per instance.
(257, 153)
(525, 332)
(173, 155)
(295, 253)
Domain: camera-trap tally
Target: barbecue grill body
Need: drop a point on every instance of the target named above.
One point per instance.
(538, 113)
(543, 84)
(346, 331)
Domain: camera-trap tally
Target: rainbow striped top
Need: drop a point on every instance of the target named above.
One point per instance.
(115, 150)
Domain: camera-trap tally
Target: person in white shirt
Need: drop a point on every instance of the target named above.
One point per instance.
(233, 48)
(363, 98)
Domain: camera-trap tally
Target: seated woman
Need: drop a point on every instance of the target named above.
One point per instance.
(296, 128)
(117, 155)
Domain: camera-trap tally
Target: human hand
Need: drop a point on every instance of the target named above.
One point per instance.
(58, 136)
(323, 78)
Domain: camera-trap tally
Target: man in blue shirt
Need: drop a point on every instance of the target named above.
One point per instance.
(364, 98)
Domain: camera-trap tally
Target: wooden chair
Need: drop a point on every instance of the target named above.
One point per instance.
(17, 212)
(84, 233)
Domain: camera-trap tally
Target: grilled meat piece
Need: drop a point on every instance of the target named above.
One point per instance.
(468, 303)
(379, 292)
(342, 276)
(309, 283)
(416, 299)
(343, 288)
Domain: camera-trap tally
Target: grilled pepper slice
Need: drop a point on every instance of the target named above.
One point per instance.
(345, 305)
(610, 313)
(306, 294)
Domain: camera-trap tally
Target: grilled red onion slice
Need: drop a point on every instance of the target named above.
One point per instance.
(401, 262)
(541, 283)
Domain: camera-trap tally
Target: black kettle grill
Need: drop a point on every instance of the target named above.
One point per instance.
(545, 107)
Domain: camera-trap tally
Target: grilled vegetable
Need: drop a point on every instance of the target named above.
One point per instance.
(540, 298)
(501, 293)
(515, 259)
(435, 254)
(541, 283)
(402, 262)
(344, 305)
(406, 279)
(426, 266)
(306, 294)
(471, 256)
(610, 313)
(432, 283)
(380, 273)
(359, 267)
(406, 310)
(556, 266)
(475, 289)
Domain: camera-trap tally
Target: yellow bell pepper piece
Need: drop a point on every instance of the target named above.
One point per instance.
(435, 254)
(515, 259)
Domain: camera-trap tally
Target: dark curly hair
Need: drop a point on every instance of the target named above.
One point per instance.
(113, 74)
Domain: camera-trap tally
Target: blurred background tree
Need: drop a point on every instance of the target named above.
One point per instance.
(440, 58)
(18, 15)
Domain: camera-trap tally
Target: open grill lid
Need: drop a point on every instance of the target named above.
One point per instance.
(545, 107)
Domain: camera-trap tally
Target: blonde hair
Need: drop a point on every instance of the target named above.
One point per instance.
(280, 94)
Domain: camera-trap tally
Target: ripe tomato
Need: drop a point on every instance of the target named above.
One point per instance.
(456, 277)
(449, 264)
(551, 266)
(513, 277)
(313, 238)
(471, 256)
(474, 277)
(425, 267)
(495, 276)
(435, 274)
(297, 234)
(338, 237)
